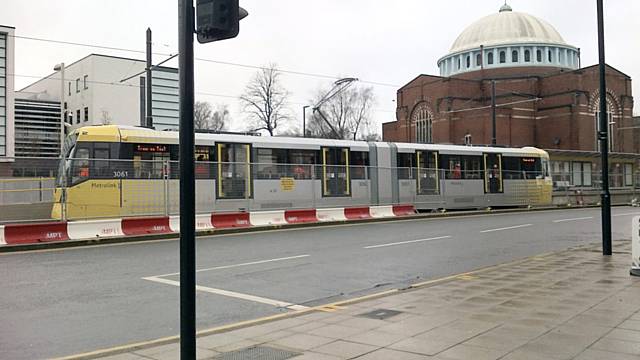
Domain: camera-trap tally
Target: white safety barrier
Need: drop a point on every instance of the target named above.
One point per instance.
(381, 211)
(2, 240)
(331, 214)
(174, 223)
(94, 229)
(203, 222)
(263, 218)
(635, 246)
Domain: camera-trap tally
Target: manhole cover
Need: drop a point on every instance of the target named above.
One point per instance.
(257, 353)
(380, 314)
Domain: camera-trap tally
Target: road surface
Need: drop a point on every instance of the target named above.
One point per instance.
(67, 301)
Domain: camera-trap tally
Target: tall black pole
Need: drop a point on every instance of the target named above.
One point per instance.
(187, 184)
(304, 120)
(603, 136)
(494, 140)
(149, 122)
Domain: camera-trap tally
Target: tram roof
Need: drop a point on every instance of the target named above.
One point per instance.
(132, 134)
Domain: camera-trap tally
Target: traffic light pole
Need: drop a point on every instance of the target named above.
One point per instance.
(187, 183)
(149, 116)
(494, 139)
(603, 137)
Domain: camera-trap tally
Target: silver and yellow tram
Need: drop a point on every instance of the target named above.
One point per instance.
(114, 171)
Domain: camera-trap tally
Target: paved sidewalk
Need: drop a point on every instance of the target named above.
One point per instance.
(574, 304)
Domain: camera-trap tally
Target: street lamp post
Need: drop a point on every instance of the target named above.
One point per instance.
(60, 68)
(603, 137)
(304, 120)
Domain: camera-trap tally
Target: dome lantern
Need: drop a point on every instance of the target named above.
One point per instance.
(505, 7)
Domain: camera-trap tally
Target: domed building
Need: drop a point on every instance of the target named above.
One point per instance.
(544, 98)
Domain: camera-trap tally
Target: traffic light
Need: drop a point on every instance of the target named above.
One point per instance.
(218, 19)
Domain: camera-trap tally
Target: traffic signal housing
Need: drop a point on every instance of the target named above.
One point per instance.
(218, 19)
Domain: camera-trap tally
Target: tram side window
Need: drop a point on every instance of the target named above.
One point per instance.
(272, 163)
(406, 165)
(461, 167)
(150, 161)
(205, 165)
(303, 162)
(531, 168)
(511, 168)
(359, 165)
(100, 168)
(517, 168)
(80, 163)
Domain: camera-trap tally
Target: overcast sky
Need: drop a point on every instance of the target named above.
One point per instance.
(373, 40)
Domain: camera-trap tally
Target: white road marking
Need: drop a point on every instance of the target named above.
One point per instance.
(573, 219)
(626, 214)
(243, 264)
(506, 228)
(233, 294)
(406, 242)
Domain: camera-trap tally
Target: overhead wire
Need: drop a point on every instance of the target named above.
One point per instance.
(220, 62)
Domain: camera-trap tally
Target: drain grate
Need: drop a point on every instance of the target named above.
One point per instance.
(257, 353)
(380, 314)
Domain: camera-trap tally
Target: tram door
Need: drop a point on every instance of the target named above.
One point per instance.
(492, 173)
(335, 172)
(428, 181)
(234, 175)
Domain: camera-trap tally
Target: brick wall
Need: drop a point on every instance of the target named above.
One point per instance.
(562, 118)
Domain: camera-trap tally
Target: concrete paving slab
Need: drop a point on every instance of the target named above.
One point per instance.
(345, 349)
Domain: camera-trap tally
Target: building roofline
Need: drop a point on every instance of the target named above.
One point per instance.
(606, 65)
(8, 26)
(166, 68)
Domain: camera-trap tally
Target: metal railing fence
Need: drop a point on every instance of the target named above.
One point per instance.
(104, 188)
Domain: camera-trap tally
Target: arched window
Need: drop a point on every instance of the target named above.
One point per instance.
(514, 56)
(478, 59)
(468, 61)
(458, 63)
(549, 53)
(611, 132)
(503, 57)
(490, 58)
(423, 121)
(527, 56)
(539, 56)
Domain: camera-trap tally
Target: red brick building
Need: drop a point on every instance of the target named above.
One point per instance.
(544, 98)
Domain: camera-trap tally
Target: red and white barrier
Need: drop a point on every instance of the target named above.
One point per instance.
(265, 218)
(203, 223)
(230, 220)
(381, 211)
(95, 229)
(146, 226)
(301, 216)
(78, 230)
(35, 233)
(404, 210)
(355, 213)
(331, 214)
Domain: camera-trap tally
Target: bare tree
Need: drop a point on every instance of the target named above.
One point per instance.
(206, 118)
(105, 117)
(264, 100)
(347, 115)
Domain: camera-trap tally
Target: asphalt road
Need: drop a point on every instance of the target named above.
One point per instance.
(67, 301)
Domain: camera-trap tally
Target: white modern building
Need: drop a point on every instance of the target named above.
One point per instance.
(37, 126)
(7, 66)
(95, 93)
